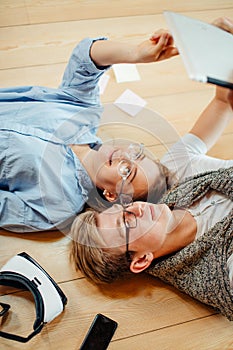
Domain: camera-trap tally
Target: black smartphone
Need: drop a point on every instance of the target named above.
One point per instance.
(99, 334)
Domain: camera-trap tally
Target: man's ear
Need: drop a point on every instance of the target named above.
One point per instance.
(111, 197)
(140, 263)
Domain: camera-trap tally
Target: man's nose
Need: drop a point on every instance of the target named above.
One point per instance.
(136, 208)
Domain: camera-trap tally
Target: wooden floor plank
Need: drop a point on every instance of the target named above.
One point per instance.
(168, 76)
(211, 333)
(18, 12)
(50, 249)
(52, 43)
(13, 12)
(133, 303)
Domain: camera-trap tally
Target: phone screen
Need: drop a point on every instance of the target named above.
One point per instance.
(100, 333)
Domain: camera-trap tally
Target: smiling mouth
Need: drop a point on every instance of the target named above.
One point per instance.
(110, 157)
(155, 212)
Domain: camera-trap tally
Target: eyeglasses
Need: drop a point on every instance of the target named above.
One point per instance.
(125, 167)
(132, 153)
(129, 219)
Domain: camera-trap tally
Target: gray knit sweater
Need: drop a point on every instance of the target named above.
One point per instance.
(200, 269)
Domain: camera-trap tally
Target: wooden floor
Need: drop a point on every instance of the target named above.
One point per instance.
(36, 39)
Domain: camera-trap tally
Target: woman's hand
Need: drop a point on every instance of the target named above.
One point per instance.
(159, 47)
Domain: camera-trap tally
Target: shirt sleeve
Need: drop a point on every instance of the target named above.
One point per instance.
(183, 151)
(17, 216)
(13, 207)
(188, 157)
(81, 76)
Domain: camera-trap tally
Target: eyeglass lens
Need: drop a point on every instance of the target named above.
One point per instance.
(124, 168)
(134, 151)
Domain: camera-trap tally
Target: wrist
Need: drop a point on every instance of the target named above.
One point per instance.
(130, 54)
(136, 54)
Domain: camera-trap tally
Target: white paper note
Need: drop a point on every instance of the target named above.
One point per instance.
(130, 102)
(126, 72)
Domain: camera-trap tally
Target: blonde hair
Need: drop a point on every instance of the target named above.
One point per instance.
(162, 185)
(98, 264)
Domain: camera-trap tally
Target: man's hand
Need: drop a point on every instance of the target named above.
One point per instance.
(223, 94)
(224, 23)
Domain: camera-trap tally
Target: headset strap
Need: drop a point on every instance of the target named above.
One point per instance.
(5, 308)
(19, 338)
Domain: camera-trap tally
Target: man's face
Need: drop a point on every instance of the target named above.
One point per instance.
(154, 222)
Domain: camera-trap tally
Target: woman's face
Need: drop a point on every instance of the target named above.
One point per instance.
(154, 222)
(143, 176)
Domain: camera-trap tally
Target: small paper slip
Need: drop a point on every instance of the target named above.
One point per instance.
(125, 72)
(130, 102)
(103, 83)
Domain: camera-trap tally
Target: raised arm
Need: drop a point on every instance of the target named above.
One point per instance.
(219, 112)
(213, 120)
(160, 46)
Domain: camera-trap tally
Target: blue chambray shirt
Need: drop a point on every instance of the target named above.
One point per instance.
(42, 183)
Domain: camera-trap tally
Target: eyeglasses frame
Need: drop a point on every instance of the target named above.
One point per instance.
(125, 205)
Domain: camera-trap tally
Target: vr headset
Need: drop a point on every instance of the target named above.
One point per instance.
(23, 272)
